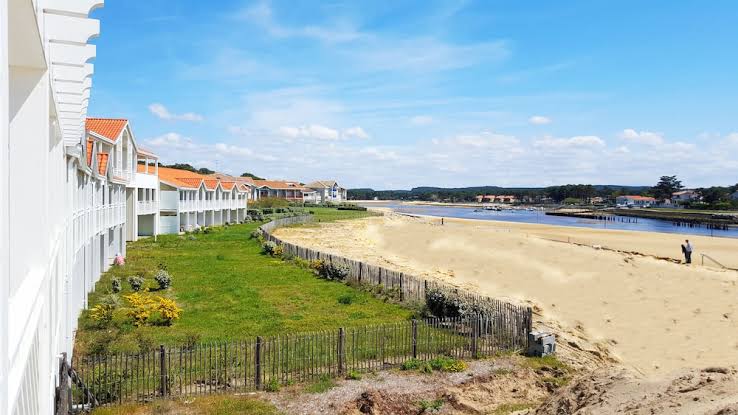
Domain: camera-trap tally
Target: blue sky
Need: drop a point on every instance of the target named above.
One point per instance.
(410, 93)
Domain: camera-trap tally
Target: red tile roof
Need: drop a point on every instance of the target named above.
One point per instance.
(211, 184)
(102, 163)
(109, 128)
(90, 143)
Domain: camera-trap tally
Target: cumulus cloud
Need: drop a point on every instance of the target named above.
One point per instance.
(163, 113)
(355, 132)
(315, 131)
(539, 120)
(643, 137)
(580, 141)
(421, 120)
(379, 153)
(171, 140)
(321, 132)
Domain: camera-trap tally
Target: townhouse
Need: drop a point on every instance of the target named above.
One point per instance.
(289, 190)
(190, 200)
(62, 211)
(327, 191)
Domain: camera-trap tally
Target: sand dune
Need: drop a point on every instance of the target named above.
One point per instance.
(652, 314)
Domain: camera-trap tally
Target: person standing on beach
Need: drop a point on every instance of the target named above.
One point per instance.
(687, 250)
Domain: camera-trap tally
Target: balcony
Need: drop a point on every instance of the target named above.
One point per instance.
(147, 207)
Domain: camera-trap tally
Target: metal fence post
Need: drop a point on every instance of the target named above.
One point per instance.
(163, 370)
(415, 339)
(62, 395)
(341, 351)
(257, 363)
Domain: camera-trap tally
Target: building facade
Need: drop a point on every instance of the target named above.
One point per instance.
(635, 201)
(61, 216)
(328, 191)
(291, 191)
(190, 200)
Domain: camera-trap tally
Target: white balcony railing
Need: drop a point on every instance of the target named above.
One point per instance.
(147, 207)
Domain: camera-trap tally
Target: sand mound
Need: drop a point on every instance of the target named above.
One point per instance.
(709, 391)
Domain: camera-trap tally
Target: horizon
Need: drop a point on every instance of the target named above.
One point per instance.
(449, 93)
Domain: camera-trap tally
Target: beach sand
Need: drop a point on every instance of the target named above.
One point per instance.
(641, 307)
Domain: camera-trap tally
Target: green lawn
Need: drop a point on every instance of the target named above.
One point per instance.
(227, 289)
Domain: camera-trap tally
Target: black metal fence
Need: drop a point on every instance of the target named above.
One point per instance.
(267, 362)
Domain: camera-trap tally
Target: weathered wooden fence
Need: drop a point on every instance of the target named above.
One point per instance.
(409, 287)
(265, 362)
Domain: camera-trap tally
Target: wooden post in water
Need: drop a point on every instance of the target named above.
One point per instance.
(257, 364)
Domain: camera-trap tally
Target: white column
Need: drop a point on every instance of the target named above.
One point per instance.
(4, 232)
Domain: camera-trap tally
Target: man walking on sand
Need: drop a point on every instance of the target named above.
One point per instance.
(687, 251)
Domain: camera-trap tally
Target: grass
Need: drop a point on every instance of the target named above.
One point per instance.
(329, 214)
(228, 289)
(509, 408)
(206, 405)
(323, 384)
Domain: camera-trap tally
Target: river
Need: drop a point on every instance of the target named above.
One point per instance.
(527, 216)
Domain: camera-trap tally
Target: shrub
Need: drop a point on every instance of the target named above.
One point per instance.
(247, 219)
(272, 385)
(191, 237)
(255, 234)
(207, 230)
(278, 250)
(331, 271)
(411, 364)
(447, 364)
(140, 310)
(115, 284)
(102, 314)
(163, 278)
(190, 339)
(353, 375)
(163, 266)
(268, 247)
(345, 299)
(430, 406)
(136, 282)
(168, 310)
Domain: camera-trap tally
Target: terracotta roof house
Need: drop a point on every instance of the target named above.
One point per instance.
(635, 201)
(289, 190)
(191, 200)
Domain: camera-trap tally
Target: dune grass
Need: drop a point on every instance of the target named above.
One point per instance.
(228, 289)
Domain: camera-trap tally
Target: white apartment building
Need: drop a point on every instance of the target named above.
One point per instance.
(327, 191)
(62, 213)
(112, 140)
(190, 200)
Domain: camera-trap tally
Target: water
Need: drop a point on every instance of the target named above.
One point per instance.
(526, 216)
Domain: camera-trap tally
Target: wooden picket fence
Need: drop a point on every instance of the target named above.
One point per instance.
(265, 362)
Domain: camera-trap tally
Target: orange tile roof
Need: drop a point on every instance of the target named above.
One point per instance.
(141, 168)
(102, 163)
(211, 184)
(109, 128)
(180, 178)
(277, 184)
(90, 143)
(228, 185)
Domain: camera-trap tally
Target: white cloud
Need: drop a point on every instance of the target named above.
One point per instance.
(379, 153)
(163, 113)
(261, 14)
(171, 140)
(622, 150)
(643, 137)
(732, 138)
(580, 141)
(539, 120)
(310, 131)
(355, 132)
(421, 120)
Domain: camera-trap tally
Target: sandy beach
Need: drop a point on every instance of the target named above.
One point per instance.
(623, 292)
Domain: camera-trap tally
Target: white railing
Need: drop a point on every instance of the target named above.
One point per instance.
(147, 207)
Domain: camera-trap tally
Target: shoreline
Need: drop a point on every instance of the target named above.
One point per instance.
(624, 300)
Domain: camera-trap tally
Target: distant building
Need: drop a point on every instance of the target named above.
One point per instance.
(635, 201)
(597, 200)
(685, 196)
(496, 199)
(289, 190)
(328, 191)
